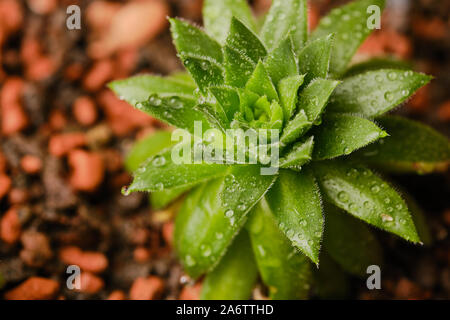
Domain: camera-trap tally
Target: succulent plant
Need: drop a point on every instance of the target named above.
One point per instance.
(309, 220)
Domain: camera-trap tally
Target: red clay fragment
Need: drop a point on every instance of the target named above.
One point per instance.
(90, 261)
(146, 288)
(35, 288)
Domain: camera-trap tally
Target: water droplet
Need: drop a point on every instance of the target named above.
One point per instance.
(159, 161)
(367, 205)
(389, 96)
(261, 250)
(290, 233)
(386, 218)
(405, 93)
(343, 196)
(159, 186)
(387, 200)
(206, 252)
(125, 191)
(190, 261)
(229, 213)
(242, 207)
(392, 75)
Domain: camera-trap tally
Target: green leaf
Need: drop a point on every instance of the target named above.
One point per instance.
(411, 147)
(161, 172)
(183, 77)
(283, 269)
(314, 98)
(286, 16)
(207, 73)
(314, 59)
(217, 15)
(295, 202)
(288, 91)
(261, 83)
(295, 128)
(376, 92)
(281, 62)
(176, 111)
(376, 64)
(147, 148)
(298, 155)
(330, 282)
(350, 242)
(214, 113)
(214, 213)
(235, 276)
(242, 52)
(228, 98)
(160, 199)
(360, 192)
(139, 88)
(349, 24)
(201, 55)
(341, 134)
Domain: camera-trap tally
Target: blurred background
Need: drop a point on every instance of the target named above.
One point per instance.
(64, 137)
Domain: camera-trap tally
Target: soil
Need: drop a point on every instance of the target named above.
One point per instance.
(64, 137)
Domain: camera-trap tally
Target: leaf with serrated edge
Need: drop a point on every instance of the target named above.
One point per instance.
(219, 209)
(283, 269)
(341, 134)
(235, 276)
(411, 147)
(357, 190)
(377, 64)
(314, 59)
(242, 52)
(217, 15)
(314, 98)
(286, 16)
(376, 92)
(160, 173)
(288, 92)
(261, 83)
(147, 148)
(349, 24)
(295, 202)
(350, 242)
(139, 88)
(201, 55)
(280, 62)
(298, 155)
(228, 98)
(295, 128)
(176, 111)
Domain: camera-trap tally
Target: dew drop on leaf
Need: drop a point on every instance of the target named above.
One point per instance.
(389, 96)
(159, 161)
(386, 218)
(343, 196)
(392, 75)
(190, 261)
